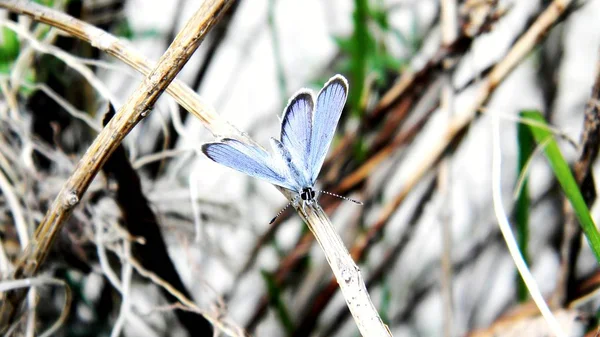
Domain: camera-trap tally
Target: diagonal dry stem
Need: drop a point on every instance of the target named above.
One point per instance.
(346, 273)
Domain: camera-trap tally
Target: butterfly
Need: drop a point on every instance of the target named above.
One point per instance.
(307, 129)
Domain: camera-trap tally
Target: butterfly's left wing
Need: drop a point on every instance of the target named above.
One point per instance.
(327, 112)
(249, 159)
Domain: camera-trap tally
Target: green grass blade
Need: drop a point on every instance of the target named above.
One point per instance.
(563, 174)
(526, 147)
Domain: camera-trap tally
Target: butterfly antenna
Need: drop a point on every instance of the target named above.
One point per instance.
(282, 210)
(342, 197)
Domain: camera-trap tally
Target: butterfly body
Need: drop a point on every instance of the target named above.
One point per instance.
(307, 129)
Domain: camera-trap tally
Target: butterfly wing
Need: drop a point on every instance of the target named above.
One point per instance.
(296, 132)
(328, 110)
(249, 159)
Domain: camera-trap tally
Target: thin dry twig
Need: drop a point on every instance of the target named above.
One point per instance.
(149, 158)
(11, 100)
(103, 258)
(226, 327)
(16, 209)
(69, 108)
(31, 314)
(9, 285)
(126, 274)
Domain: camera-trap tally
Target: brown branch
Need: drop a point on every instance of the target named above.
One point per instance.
(134, 110)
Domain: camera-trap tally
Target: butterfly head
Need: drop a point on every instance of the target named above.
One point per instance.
(308, 195)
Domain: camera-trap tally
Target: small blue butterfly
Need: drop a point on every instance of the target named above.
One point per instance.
(306, 133)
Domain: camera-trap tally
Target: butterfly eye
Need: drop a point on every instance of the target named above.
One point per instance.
(304, 195)
(307, 194)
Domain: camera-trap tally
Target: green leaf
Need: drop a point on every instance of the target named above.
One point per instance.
(380, 17)
(362, 47)
(123, 29)
(47, 3)
(9, 49)
(563, 174)
(526, 149)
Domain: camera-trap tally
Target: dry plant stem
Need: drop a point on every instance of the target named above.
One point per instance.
(9, 285)
(7, 163)
(103, 258)
(229, 329)
(134, 110)
(153, 157)
(346, 273)
(31, 315)
(126, 274)
(11, 101)
(69, 108)
(102, 40)
(16, 209)
(5, 265)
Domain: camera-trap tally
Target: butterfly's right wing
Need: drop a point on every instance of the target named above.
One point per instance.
(328, 110)
(249, 159)
(296, 132)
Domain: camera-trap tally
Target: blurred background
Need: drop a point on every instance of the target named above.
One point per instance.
(415, 144)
